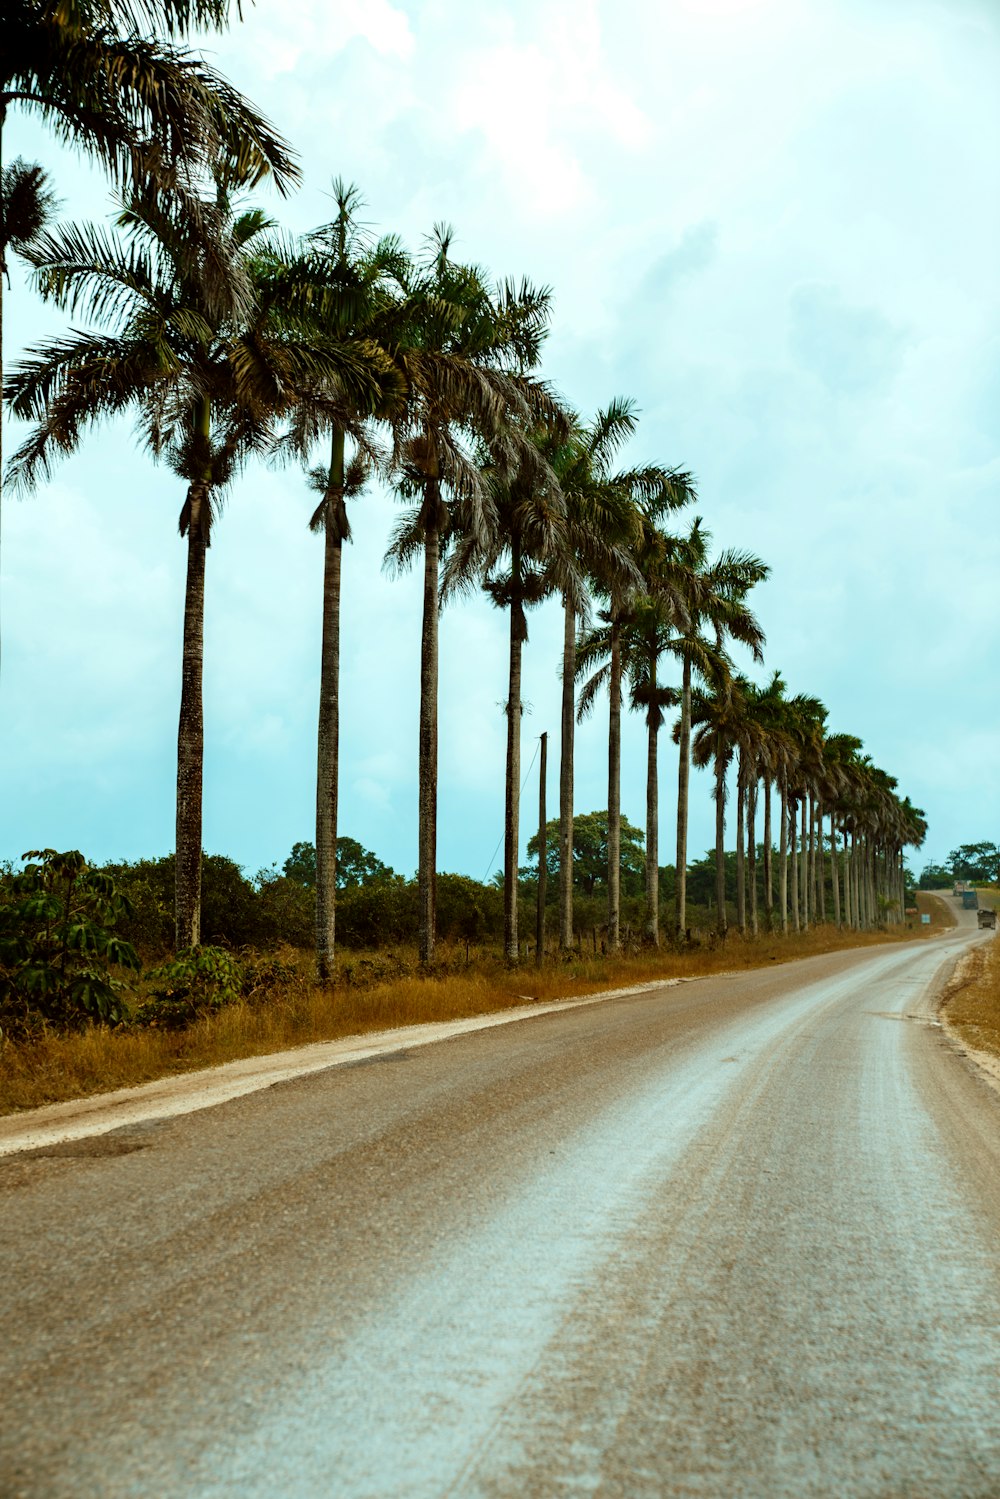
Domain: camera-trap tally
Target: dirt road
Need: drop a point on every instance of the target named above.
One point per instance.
(735, 1238)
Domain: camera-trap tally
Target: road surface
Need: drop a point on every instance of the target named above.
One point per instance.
(738, 1237)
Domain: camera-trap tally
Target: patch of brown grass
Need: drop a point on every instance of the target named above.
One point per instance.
(972, 1001)
(377, 991)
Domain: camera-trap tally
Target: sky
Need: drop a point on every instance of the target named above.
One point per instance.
(773, 224)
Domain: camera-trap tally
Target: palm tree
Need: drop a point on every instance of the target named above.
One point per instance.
(652, 492)
(716, 611)
(348, 291)
(467, 375)
(108, 79)
(205, 372)
(522, 557)
(598, 535)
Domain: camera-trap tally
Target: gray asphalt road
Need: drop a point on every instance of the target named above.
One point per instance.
(737, 1238)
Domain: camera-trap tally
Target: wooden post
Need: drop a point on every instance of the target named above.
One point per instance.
(543, 869)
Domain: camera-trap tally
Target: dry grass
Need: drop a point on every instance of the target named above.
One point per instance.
(972, 1000)
(382, 992)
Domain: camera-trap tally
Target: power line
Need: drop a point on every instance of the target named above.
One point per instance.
(522, 792)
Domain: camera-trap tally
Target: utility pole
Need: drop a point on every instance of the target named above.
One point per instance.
(543, 868)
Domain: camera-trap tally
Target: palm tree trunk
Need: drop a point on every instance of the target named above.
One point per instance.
(768, 856)
(512, 809)
(614, 789)
(720, 838)
(741, 874)
(566, 779)
(328, 739)
(652, 822)
(820, 866)
(427, 769)
(793, 835)
(683, 784)
(811, 907)
(752, 850)
(804, 865)
(855, 889)
(191, 729)
(783, 854)
(833, 870)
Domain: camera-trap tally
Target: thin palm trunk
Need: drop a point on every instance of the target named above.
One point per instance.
(752, 790)
(793, 835)
(427, 769)
(820, 865)
(652, 821)
(853, 867)
(741, 874)
(191, 730)
(614, 789)
(720, 837)
(811, 907)
(783, 854)
(328, 737)
(566, 779)
(768, 856)
(804, 865)
(683, 784)
(512, 809)
(835, 882)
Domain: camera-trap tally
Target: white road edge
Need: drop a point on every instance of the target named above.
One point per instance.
(186, 1092)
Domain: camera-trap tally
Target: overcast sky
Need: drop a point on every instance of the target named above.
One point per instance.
(773, 223)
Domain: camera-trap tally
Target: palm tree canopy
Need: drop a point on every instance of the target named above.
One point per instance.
(96, 72)
(188, 334)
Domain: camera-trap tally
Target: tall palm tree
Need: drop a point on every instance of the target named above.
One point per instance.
(347, 289)
(652, 492)
(108, 78)
(468, 375)
(520, 559)
(189, 352)
(717, 611)
(598, 534)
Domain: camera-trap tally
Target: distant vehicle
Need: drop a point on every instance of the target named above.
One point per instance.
(970, 900)
(959, 887)
(988, 918)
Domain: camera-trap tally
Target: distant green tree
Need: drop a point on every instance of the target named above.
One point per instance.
(975, 861)
(934, 877)
(590, 853)
(356, 865)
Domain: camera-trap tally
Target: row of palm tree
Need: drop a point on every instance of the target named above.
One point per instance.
(229, 341)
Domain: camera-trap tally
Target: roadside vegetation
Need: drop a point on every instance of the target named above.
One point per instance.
(972, 1002)
(92, 998)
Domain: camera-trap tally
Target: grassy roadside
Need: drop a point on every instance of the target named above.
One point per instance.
(297, 1011)
(971, 1004)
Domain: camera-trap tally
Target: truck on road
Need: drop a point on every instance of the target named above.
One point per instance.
(970, 900)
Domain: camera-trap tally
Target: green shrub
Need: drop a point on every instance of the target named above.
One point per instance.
(197, 981)
(57, 952)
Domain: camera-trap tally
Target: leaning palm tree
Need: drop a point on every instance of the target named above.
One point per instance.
(467, 366)
(109, 80)
(205, 374)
